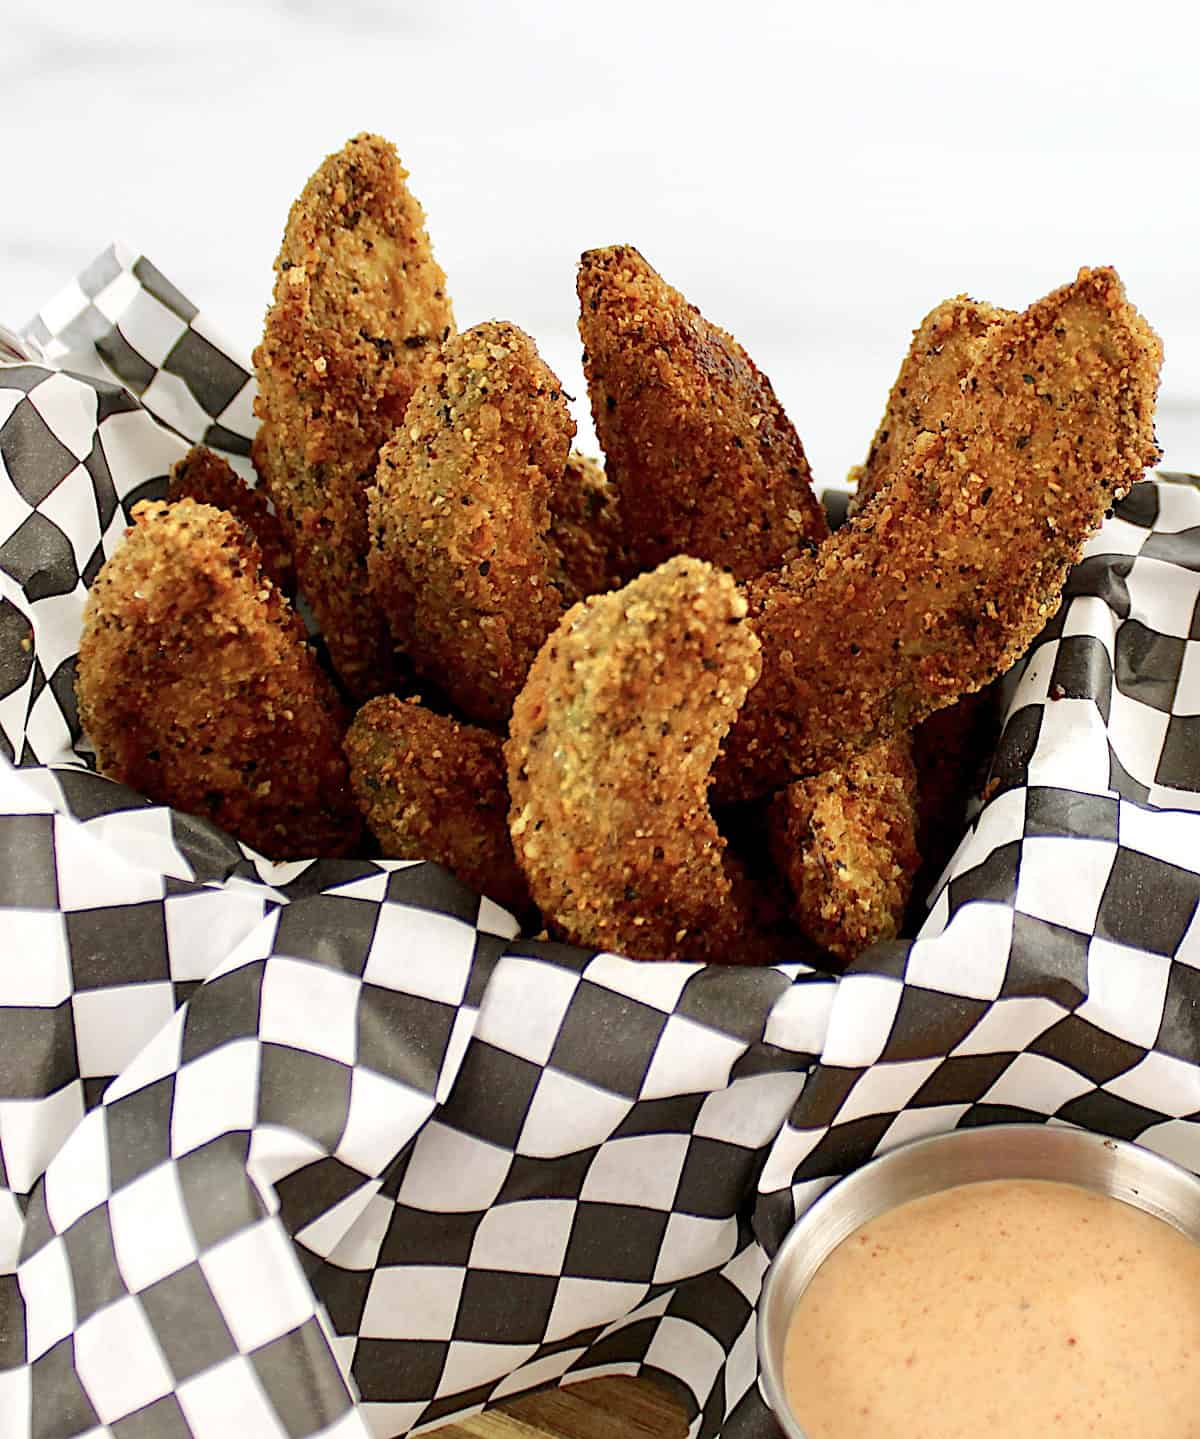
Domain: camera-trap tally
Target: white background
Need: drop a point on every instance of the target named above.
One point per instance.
(814, 177)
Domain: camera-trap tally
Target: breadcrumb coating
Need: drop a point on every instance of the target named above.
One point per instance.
(846, 840)
(612, 740)
(703, 457)
(460, 518)
(942, 348)
(585, 530)
(432, 788)
(205, 477)
(360, 304)
(196, 687)
(940, 583)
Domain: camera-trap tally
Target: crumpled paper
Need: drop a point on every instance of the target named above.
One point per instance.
(328, 1148)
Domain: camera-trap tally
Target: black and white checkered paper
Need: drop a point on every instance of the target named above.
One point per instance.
(328, 1149)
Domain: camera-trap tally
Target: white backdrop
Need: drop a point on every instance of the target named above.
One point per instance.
(815, 177)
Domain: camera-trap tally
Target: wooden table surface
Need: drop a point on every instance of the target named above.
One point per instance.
(640, 1409)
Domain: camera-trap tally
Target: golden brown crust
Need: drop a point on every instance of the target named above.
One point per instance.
(197, 688)
(612, 740)
(846, 840)
(942, 348)
(946, 577)
(460, 517)
(585, 530)
(701, 454)
(359, 305)
(431, 788)
(210, 480)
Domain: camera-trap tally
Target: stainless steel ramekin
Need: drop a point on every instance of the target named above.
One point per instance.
(964, 1156)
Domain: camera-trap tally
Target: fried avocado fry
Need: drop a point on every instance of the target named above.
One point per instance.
(196, 687)
(612, 740)
(585, 530)
(460, 514)
(210, 480)
(360, 304)
(943, 346)
(939, 584)
(702, 456)
(846, 840)
(431, 788)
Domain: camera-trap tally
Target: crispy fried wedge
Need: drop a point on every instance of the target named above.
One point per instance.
(431, 788)
(196, 687)
(703, 458)
(205, 477)
(360, 303)
(585, 530)
(612, 740)
(925, 389)
(846, 840)
(460, 518)
(938, 585)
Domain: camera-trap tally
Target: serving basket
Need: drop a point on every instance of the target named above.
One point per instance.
(330, 1148)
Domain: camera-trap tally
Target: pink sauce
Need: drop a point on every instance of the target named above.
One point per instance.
(1011, 1308)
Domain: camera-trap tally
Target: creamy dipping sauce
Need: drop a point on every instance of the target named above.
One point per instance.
(1012, 1307)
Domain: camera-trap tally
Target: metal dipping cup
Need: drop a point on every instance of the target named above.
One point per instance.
(963, 1156)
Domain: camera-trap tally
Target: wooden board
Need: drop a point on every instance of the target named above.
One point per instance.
(594, 1409)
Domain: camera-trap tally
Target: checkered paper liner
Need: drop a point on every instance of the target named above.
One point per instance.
(328, 1149)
